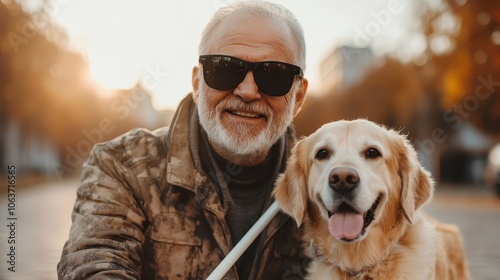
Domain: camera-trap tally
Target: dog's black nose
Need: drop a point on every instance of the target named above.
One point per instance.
(343, 179)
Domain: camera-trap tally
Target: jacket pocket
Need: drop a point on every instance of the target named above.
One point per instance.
(174, 246)
(175, 228)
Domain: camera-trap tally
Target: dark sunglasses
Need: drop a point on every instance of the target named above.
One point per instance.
(225, 72)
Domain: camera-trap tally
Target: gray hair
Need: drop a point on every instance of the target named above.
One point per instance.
(274, 11)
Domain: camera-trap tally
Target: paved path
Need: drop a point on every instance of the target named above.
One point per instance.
(478, 216)
(44, 212)
(43, 220)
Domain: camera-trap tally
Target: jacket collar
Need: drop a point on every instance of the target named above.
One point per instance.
(181, 170)
(184, 166)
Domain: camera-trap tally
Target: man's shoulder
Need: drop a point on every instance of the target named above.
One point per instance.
(134, 146)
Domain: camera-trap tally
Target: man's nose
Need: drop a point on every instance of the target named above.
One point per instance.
(248, 89)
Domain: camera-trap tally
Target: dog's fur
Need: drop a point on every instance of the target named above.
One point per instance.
(401, 242)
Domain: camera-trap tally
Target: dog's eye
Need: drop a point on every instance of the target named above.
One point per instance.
(372, 153)
(322, 154)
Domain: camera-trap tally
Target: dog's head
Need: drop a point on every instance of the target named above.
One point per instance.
(349, 177)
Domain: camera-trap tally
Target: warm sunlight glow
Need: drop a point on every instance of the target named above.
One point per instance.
(110, 73)
(155, 43)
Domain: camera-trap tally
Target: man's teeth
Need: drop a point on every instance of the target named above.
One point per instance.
(245, 114)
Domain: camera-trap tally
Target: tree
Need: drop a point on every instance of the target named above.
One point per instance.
(463, 51)
(44, 87)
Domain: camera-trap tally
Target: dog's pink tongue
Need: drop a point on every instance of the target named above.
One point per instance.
(345, 225)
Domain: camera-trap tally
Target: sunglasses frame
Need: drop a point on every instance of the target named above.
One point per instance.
(295, 70)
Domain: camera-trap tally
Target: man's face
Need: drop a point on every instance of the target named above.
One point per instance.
(243, 122)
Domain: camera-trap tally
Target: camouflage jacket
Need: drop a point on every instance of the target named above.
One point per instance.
(146, 210)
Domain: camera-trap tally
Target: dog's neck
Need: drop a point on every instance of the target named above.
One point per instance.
(352, 271)
(315, 251)
(318, 255)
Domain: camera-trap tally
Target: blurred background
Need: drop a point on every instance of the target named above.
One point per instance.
(74, 73)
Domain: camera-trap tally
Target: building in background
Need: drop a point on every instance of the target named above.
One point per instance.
(136, 106)
(345, 66)
(29, 152)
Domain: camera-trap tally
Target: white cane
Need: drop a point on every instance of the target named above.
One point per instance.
(247, 239)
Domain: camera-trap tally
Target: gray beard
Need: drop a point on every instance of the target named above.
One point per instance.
(237, 140)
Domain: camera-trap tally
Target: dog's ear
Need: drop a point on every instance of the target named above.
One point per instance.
(291, 186)
(417, 186)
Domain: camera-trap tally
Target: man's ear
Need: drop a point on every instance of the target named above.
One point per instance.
(291, 186)
(195, 81)
(300, 96)
(416, 182)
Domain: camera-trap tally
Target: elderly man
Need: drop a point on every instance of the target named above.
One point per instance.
(170, 204)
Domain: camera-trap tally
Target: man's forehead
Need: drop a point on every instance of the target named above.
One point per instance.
(242, 30)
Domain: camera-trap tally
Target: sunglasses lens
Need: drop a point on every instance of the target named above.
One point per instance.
(274, 78)
(223, 73)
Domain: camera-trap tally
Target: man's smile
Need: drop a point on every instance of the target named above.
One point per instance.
(245, 114)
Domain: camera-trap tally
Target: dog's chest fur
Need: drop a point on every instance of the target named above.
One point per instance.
(399, 259)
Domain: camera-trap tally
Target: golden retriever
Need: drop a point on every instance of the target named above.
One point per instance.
(359, 189)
